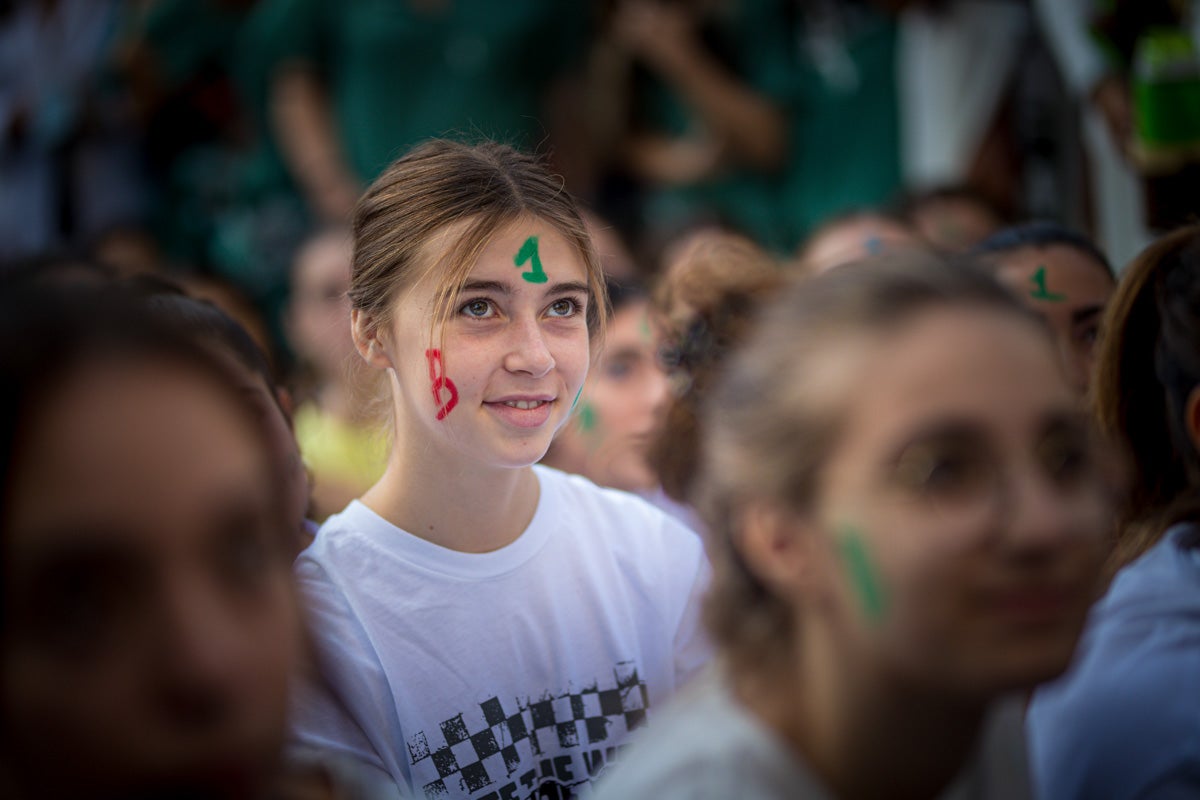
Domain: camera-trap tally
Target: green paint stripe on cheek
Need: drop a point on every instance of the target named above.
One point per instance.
(587, 418)
(863, 575)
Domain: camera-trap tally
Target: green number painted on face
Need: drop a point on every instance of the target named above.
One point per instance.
(529, 252)
(863, 575)
(1040, 292)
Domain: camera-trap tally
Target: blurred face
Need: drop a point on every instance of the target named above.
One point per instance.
(264, 406)
(1069, 290)
(319, 320)
(621, 406)
(962, 511)
(500, 381)
(151, 623)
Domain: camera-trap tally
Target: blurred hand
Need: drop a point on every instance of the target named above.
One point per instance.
(655, 31)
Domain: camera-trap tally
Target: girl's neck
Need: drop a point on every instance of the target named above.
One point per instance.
(469, 508)
(860, 734)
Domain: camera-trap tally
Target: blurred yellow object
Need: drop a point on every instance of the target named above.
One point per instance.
(345, 459)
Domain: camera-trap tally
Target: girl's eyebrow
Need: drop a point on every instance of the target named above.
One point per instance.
(570, 286)
(487, 286)
(505, 289)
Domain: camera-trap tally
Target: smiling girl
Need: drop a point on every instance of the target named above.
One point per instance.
(491, 628)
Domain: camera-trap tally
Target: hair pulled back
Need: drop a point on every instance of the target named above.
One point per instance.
(770, 424)
(483, 187)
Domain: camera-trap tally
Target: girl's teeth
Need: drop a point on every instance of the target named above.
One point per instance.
(524, 405)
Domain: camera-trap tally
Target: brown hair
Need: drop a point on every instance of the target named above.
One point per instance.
(706, 301)
(1147, 363)
(769, 426)
(481, 187)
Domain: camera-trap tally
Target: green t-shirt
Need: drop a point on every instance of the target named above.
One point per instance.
(843, 143)
(401, 72)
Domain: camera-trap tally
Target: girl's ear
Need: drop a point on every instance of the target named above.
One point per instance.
(368, 339)
(778, 548)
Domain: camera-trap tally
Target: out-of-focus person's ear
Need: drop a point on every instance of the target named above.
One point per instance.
(369, 339)
(776, 547)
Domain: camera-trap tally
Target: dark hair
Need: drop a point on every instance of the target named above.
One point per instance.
(1147, 364)
(1040, 233)
(208, 325)
(622, 292)
(48, 332)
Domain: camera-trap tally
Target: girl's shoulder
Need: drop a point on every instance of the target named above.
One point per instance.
(619, 512)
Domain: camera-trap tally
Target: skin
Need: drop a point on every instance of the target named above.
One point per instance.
(319, 331)
(854, 239)
(1084, 286)
(464, 481)
(977, 512)
(954, 225)
(621, 406)
(319, 315)
(151, 621)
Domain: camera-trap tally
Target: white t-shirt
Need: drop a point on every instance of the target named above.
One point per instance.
(497, 675)
(707, 746)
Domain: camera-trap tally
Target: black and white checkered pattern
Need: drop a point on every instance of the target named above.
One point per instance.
(502, 741)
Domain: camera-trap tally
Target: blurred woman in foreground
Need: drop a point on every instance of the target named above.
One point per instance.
(905, 515)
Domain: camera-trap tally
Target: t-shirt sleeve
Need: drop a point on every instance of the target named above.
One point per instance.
(346, 708)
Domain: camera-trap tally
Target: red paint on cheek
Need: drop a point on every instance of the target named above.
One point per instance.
(439, 383)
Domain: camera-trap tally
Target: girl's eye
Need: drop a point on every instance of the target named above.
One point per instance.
(479, 309)
(564, 307)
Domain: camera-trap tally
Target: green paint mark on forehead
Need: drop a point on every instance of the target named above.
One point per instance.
(644, 328)
(1040, 291)
(862, 573)
(529, 252)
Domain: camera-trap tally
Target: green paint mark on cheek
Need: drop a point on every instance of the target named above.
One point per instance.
(862, 573)
(647, 334)
(529, 252)
(1039, 291)
(587, 418)
(575, 402)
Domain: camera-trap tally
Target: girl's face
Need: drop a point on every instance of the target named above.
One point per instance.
(959, 520)
(504, 374)
(150, 619)
(621, 405)
(1067, 288)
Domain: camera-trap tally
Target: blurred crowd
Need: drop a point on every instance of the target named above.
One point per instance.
(625, 398)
